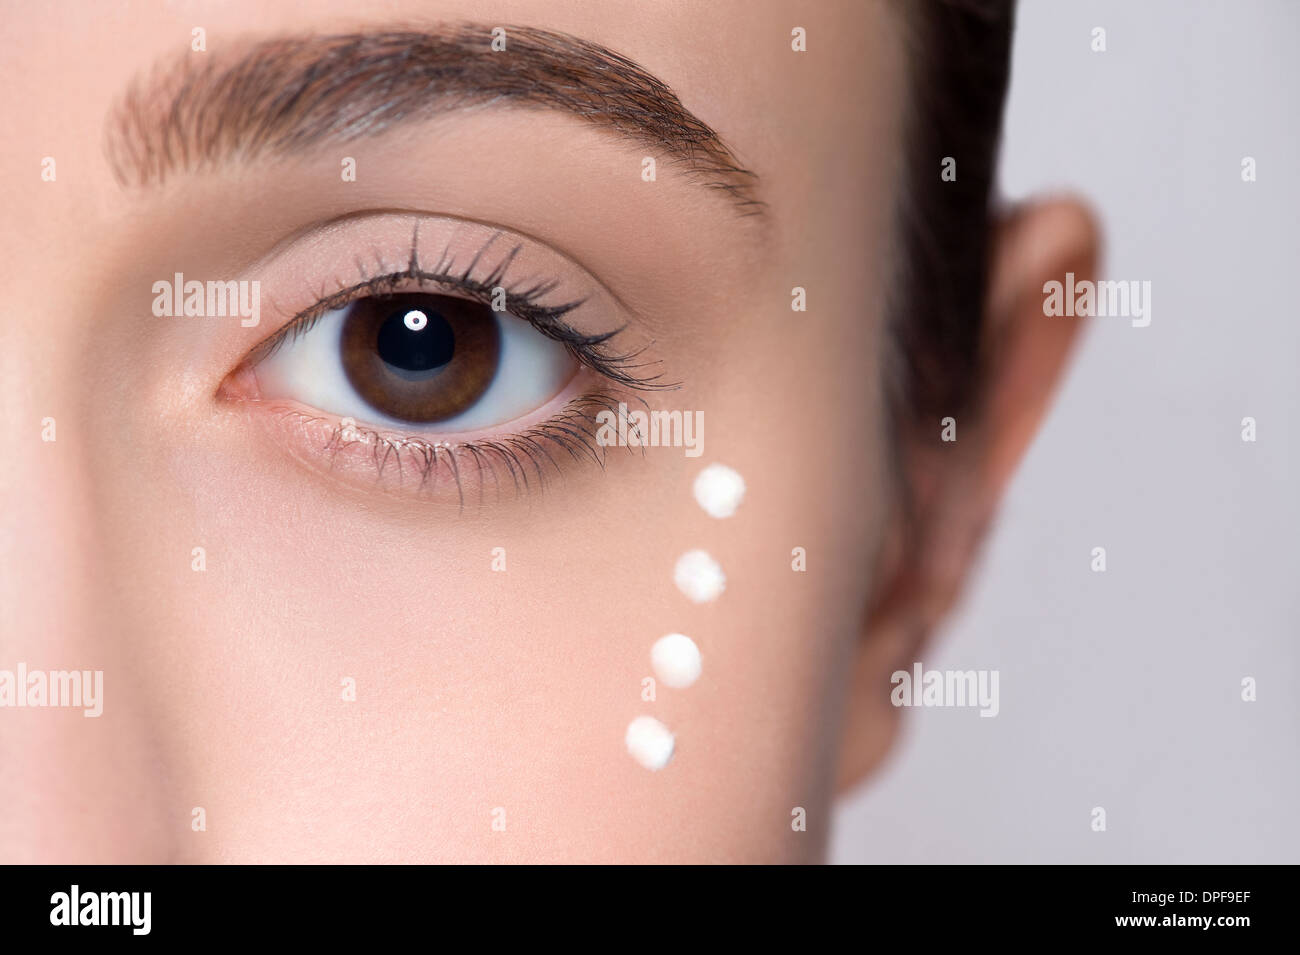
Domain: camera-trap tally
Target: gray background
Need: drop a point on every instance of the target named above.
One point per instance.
(1122, 689)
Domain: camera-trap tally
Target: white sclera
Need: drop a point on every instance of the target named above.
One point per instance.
(719, 490)
(676, 660)
(649, 742)
(699, 577)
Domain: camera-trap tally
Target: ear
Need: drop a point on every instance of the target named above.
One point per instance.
(956, 485)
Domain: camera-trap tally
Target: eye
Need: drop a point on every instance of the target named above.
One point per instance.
(419, 358)
(438, 357)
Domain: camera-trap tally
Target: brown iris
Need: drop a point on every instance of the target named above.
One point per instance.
(419, 357)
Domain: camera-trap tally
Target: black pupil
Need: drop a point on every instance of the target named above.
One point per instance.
(416, 340)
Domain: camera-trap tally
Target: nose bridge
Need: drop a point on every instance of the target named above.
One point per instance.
(81, 780)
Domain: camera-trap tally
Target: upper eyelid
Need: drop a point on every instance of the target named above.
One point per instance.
(523, 299)
(390, 283)
(344, 221)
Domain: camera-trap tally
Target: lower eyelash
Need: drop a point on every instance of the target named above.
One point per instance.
(525, 460)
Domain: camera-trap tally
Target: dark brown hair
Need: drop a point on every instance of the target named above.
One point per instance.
(959, 53)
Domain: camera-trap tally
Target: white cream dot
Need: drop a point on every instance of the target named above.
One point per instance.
(699, 577)
(719, 490)
(676, 660)
(649, 742)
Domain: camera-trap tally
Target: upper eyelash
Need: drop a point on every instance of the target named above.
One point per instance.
(524, 303)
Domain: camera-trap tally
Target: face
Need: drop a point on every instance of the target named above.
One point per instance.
(367, 568)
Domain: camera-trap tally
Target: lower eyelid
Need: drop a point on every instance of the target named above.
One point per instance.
(510, 461)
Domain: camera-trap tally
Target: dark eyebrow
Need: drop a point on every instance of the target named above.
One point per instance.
(286, 94)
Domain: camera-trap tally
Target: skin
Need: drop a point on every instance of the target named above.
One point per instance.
(478, 690)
